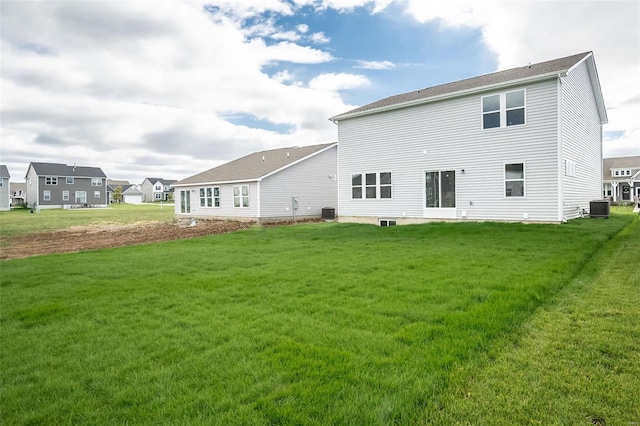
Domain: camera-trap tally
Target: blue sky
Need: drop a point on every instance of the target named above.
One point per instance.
(172, 88)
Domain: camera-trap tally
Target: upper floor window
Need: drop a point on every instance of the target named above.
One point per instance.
(158, 187)
(514, 180)
(372, 185)
(51, 181)
(96, 182)
(503, 109)
(70, 180)
(241, 196)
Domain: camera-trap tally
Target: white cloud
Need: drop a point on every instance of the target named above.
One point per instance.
(376, 65)
(302, 28)
(319, 38)
(120, 85)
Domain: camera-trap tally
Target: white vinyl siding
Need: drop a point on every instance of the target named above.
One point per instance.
(313, 181)
(445, 135)
(581, 135)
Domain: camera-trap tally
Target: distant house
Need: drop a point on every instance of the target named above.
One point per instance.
(523, 144)
(621, 178)
(279, 184)
(156, 189)
(18, 193)
(132, 195)
(5, 199)
(52, 185)
(112, 184)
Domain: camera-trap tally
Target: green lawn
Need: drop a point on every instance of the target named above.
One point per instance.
(22, 221)
(306, 324)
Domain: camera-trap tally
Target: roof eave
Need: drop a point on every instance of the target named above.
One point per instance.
(540, 77)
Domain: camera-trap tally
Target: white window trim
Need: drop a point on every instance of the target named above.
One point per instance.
(70, 180)
(46, 195)
(503, 110)
(424, 195)
(240, 196)
(96, 181)
(65, 195)
(96, 194)
(377, 186)
(213, 197)
(53, 180)
(524, 181)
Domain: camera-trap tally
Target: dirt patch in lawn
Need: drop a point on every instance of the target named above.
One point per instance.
(107, 235)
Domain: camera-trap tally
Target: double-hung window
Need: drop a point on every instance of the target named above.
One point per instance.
(46, 195)
(371, 185)
(96, 194)
(514, 180)
(241, 196)
(503, 109)
(50, 180)
(65, 195)
(96, 182)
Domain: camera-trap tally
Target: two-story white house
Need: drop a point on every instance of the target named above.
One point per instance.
(523, 144)
(156, 189)
(621, 179)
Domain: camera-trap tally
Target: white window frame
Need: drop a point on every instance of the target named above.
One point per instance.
(96, 181)
(65, 195)
(209, 197)
(570, 168)
(46, 195)
(503, 110)
(96, 194)
(455, 191)
(70, 180)
(523, 180)
(80, 196)
(376, 186)
(51, 180)
(387, 222)
(240, 200)
(157, 195)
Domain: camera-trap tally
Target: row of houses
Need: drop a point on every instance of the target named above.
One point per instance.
(53, 185)
(523, 144)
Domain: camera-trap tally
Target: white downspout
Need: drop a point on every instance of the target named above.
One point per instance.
(560, 181)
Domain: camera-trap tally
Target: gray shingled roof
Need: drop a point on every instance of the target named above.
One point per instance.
(631, 163)
(54, 169)
(4, 172)
(161, 180)
(555, 66)
(254, 166)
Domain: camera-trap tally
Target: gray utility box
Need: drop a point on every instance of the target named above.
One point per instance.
(328, 213)
(599, 208)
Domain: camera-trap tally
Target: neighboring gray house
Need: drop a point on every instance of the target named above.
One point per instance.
(5, 198)
(274, 185)
(132, 195)
(156, 189)
(52, 185)
(523, 144)
(621, 178)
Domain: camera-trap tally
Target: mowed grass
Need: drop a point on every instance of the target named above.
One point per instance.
(21, 221)
(306, 324)
(577, 360)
